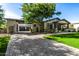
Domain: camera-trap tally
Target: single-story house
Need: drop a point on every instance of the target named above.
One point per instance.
(53, 25)
(18, 26)
(56, 25)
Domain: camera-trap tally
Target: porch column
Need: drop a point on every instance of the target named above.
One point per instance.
(52, 26)
(18, 28)
(67, 25)
(7, 29)
(15, 27)
(56, 27)
(31, 27)
(45, 27)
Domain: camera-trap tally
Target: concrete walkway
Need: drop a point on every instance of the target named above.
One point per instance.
(36, 45)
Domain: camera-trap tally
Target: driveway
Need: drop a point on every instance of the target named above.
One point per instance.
(36, 45)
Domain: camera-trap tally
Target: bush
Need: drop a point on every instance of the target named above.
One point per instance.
(3, 44)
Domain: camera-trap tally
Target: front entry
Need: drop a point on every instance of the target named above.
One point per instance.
(37, 30)
(11, 29)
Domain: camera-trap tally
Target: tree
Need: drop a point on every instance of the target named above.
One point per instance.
(36, 12)
(1, 17)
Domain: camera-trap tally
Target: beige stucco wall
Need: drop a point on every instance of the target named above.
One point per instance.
(71, 26)
(34, 29)
(10, 23)
(76, 26)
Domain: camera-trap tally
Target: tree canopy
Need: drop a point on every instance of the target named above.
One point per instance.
(36, 12)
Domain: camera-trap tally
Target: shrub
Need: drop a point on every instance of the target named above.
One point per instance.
(3, 44)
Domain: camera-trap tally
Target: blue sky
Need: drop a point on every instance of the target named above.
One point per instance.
(70, 11)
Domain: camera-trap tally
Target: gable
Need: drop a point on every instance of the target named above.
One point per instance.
(52, 20)
(62, 22)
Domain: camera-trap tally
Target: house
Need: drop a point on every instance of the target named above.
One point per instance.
(56, 25)
(76, 26)
(18, 26)
(52, 25)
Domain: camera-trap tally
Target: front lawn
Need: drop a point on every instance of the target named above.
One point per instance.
(3, 44)
(69, 39)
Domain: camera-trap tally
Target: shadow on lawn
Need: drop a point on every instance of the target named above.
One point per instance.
(36, 47)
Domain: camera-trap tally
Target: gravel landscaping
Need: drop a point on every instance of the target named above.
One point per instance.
(36, 45)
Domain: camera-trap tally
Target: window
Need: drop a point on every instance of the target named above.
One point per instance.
(34, 25)
(27, 28)
(23, 28)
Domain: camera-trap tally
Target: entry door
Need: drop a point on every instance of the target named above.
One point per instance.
(59, 26)
(37, 30)
(11, 29)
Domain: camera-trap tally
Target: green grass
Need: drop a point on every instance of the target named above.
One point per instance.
(69, 39)
(3, 44)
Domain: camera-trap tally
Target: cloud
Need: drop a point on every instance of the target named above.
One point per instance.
(10, 14)
(2, 3)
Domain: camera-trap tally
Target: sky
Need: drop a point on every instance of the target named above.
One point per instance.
(69, 11)
(12, 10)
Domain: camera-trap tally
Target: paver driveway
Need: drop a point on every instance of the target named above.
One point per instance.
(36, 45)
